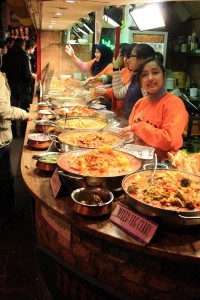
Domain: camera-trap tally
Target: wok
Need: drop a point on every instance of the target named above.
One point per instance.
(77, 179)
(177, 218)
(117, 140)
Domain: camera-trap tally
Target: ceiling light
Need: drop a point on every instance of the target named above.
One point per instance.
(147, 17)
(113, 16)
(88, 28)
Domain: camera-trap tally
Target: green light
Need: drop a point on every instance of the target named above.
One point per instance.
(108, 44)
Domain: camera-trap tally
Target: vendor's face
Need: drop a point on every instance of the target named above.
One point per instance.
(134, 62)
(121, 59)
(97, 55)
(152, 78)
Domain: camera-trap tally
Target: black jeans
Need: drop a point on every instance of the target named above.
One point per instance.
(22, 101)
(7, 194)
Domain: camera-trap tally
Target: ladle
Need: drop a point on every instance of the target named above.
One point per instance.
(155, 161)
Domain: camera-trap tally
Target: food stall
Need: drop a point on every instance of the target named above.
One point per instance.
(84, 256)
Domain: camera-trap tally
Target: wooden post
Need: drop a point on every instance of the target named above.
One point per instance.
(117, 41)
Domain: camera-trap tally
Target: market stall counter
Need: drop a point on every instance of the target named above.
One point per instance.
(92, 258)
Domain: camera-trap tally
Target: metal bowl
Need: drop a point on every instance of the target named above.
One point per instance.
(44, 106)
(39, 141)
(92, 201)
(49, 114)
(47, 161)
(44, 126)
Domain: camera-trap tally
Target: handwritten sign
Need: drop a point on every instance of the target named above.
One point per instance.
(133, 223)
(55, 183)
(57, 187)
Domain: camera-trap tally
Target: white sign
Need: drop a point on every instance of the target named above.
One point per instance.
(134, 224)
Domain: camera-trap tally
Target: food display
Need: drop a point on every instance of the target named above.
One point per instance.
(76, 110)
(81, 123)
(90, 139)
(171, 190)
(99, 162)
(186, 162)
(69, 85)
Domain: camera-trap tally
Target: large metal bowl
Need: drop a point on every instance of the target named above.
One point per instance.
(63, 139)
(169, 217)
(84, 205)
(111, 182)
(77, 123)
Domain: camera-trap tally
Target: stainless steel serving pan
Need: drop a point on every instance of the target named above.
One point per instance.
(169, 217)
(62, 124)
(110, 182)
(118, 140)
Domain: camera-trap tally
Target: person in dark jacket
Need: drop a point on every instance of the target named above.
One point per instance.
(16, 65)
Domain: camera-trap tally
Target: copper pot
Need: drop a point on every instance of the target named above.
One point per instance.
(44, 106)
(39, 141)
(92, 202)
(49, 114)
(44, 126)
(46, 161)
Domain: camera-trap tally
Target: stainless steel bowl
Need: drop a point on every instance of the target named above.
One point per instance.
(92, 202)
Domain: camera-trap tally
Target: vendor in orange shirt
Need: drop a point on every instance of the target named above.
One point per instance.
(159, 119)
(120, 64)
(100, 66)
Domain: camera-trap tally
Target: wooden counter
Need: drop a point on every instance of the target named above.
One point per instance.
(169, 265)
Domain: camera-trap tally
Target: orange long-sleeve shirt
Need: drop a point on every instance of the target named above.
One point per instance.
(118, 104)
(160, 123)
(125, 74)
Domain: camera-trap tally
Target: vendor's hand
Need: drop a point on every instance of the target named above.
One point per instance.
(126, 130)
(100, 91)
(34, 76)
(89, 80)
(29, 117)
(69, 50)
(116, 63)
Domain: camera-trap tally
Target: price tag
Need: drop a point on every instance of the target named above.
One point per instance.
(133, 223)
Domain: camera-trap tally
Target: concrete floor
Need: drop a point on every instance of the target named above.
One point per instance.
(18, 267)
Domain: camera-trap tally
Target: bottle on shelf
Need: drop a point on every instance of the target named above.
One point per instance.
(193, 40)
(189, 40)
(193, 89)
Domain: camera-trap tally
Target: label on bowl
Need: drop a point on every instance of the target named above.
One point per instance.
(133, 223)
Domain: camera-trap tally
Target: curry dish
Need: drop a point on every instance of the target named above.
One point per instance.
(91, 140)
(98, 162)
(76, 110)
(171, 190)
(82, 123)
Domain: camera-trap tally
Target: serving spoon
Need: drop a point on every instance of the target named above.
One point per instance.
(155, 162)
